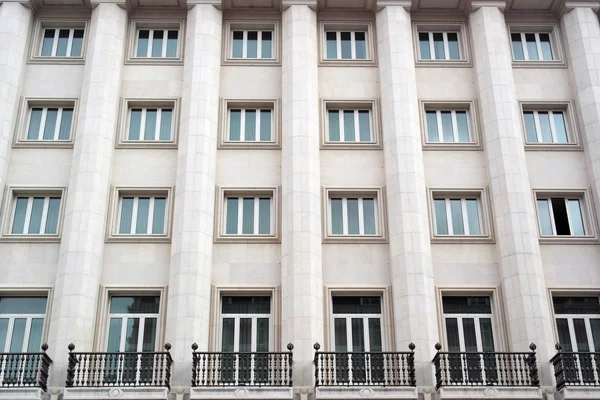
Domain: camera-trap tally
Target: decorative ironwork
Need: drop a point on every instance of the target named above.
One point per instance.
(119, 369)
(364, 368)
(25, 369)
(485, 368)
(242, 368)
(576, 369)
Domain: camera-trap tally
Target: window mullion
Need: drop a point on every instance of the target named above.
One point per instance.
(123, 334)
(552, 126)
(538, 127)
(356, 127)
(44, 215)
(446, 46)
(449, 217)
(454, 126)
(245, 44)
(465, 218)
(70, 42)
(243, 125)
(240, 215)
(352, 45)
(345, 216)
(572, 334)
(134, 212)
(164, 43)
(338, 43)
(157, 125)
(566, 200)
(259, 44)
(478, 333)
(361, 217)
(461, 333)
(42, 123)
(58, 122)
(140, 343)
(524, 46)
(342, 126)
(549, 200)
(27, 215)
(150, 42)
(55, 42)
(431, 46)
(440, 129)
(143, 124)
(257, 125)
(256, 217)
(538, 44)
(11, 325)
(27, 334)
(150, 215)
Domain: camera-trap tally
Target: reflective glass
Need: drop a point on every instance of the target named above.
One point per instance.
(150, 128)
(20, 214)
(369, 216)
(114, 335)
(248, 216)
(545, 127)
(266, 45)
(158, 219)
(361, 45)
(134, 304)
(63, 42)
(35, 220)
(473, 217)
(349, 126)
(336, 217)
(264, 216)
(334, 125)
(432, 127)
(457, 217)
(346, 45)
(546, 47)
(77, 44)
(135, 123)
(531, 46)
(265, 125)
(544, 216)
(441, 219)
(530, 130)
(517, 46)
(65, 124)
(238, 44)
(576, 218)
(34, 124)
(141, 224)
(142, 45)
(23, 305)
(250, 125)
(252, 45)
(561, 129)
(353, 226)
(50, 126)
(235, 121)
(232, 216)
(447, 126)
(453, 46)
(364, 125)
(438, 46)
(126, 215)
(52, 216)
(172, 43)
(166, 120)
(463, 126)
(35, 335)
(48, 42)
(331, 45)
(424, 46)
(157, 43)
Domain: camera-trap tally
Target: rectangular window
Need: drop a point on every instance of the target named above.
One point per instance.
(35, 215)
(252, 44)
(469, 328)
(561, 216)
(133, 324)
(150, 124)
(49, 124)
(546, 127)
(353, 216)
(578, 327)
(139, 215)
(157, 43)
(349, 125)
(448, 126)
(248, 216)
(457, 216)
(250, 125)
(21, 327)
(62, 42)
(439, 46)
(346, 45)
(532, 46)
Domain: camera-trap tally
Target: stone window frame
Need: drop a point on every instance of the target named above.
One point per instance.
(552, 28)
(22, 125)
(569, 291)
(573, 132)
(387, 312)
(8, 205)
(485, 215)
(226, 104)
(590, 219)
(112, 235)
(464, 42)
(220, 217)
(102, 317)
(123, 122)
(52, 22)
(473, 119)
(380, 200)
(33, 291)
(500, 328)
(136, 24)
(370, 104)
(352, 23)
(218, 291)
(248, 22)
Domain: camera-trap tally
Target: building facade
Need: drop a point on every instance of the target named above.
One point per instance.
(308, 199)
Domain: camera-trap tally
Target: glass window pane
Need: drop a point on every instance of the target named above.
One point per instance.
(149, 339)
(530, 130)
(544, 215)
(432, 127)
(252, 45)
(594, 324)
(453, 46)
(564, 336)
(150, 128)
(375, 334)
(438, 46)
(517, 46)
(452, 334)
(473, 217)
(487, 336)
(235, 118)
(3, 333)
(126, 214)
(238, 44)
(22, 305)
(172, 43)
(576, 305)
(546, 47)
(463, 126)
(361, 45)
(264, 216)
(35, 221)
(561, 129)
(369, 216)
(50, 126)
(142, 49)
(331, 45)
(349, 126)
(19, 218)
(135, 123)
(447, 126)
(424, 46)
(265, 125)
(336, 217)
(246, 305)
(35, 335)
(166, 120)
(48, 42)
(158, 219)
(77, 44)
(18, 335)
(441, 220)
(545, 127)
(132, 332)
(457, 217)
(141, 224)
(469, 334)
(576, 218)
(248, 216)
(134, 304)
(358, 335)
(227, 335)
(250, 125)
(157, 43)
(262, 334)
(232, 216)
(245, 343)
(531, 46)
(52, 216)
(341, 340)
(346, 45)
(364, 125)
(267, 45)
(334, 125)
(63, 42)
(581, 336)
(353, 228)
(65, 124)
(466, 305)
(356, 304)
(34, 124)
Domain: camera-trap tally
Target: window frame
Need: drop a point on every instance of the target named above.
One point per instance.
(470, 107)
(221, 217)
(464, 45)
(258, 24)
(484, 209)
(567, 107)
(136, 25)
(126, 104)
(10, 198)
(359, 25)
(554, 32)
(588, 216)
(374, 123)
(112, 231)
(377, 193)
(41, 24)
(569, 292)
(237, 317)
(227, 104)
(24, 118)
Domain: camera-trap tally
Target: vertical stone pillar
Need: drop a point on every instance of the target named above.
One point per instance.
(410, 245)
(81, 251)
(301, 244)
(15, 25)
(189, 308)
(524, 293)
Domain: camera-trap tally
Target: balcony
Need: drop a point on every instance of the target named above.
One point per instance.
(486, 374)
(577, 374)
(123, 375)
(24, 374)
(379, 375)
(261, 375)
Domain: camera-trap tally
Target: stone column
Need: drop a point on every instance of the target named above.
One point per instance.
(15, 25)
(410, 245)
(524, 293)
(79, 270)
(301, 244)
(188, 309)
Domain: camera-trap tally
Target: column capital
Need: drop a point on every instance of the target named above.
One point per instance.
(24, 3)
(120, 3)
(312, 4)
(217, 3)
(477, 4)
(570, 5)
(381, 4)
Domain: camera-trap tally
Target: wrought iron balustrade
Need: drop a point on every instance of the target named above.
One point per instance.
(242, 368)
(485, 368)
(364, 368)
(119, 369)
(576, 369)
(25, 369)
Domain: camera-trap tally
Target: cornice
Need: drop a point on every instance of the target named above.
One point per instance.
(312, 4)
(216, 3)
(407, 4)
(477, 4)
(570, 5)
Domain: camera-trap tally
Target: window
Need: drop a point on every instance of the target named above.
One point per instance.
(439, 46)
(157, 43)
(21, 324)
(252, 44)
(561, 216)
(345, 43)
(35, 215)
(460, 216)
(250, 125)
(448, 126)
(531, 46)
(349, 126)
(150, 124)
(49, 124)
(65, 42)
(444, 43)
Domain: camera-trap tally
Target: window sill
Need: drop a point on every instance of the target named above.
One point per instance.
(250, 146)
(30, 238)
(154, 61)
(146, 145)
(252, 62)
(57, 60)
(569, 240)
(347, 63)
(437, 239)
(443, 63)
(247, 239)
(355, 239)
(351, 146)
(539, 64)
(553, 147)
(138, 239)
(452, 146)
(22, 144)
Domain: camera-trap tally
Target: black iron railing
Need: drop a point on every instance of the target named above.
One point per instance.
(364, 368)
(242, 369)
(25, 369)
(576, 369)
(485, 368)
(119, 369)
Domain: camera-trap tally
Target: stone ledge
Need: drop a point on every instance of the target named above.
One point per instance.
(109, 393)
(366, 392)
(512, 393)
(22, 394)
(237, 392)
(578, 393)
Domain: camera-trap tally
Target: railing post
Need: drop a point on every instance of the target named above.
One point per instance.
(437, 364)
(559, 368)
(169, 361)
(411, 364)
(533, 370)
(316, 346)
(290, 347)
(194, 364)
(44, 368)
(71, 366)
